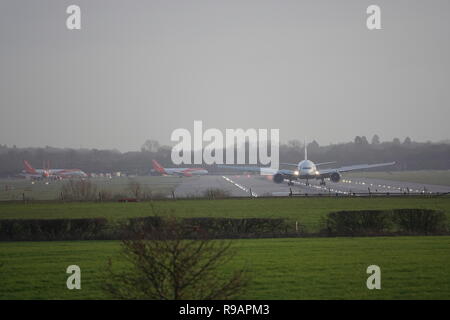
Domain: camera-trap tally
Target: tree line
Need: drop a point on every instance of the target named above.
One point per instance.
(408, 155)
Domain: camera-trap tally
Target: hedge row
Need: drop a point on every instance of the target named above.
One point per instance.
(376, 222)
(223, 227)
(209, 227)
(52, 229)
(342, 223)
(101, 229)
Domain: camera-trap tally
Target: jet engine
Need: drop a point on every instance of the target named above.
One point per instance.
(335, 177)
(278, 178)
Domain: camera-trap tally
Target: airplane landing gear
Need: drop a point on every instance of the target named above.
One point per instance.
(322, 183)
(290, 183)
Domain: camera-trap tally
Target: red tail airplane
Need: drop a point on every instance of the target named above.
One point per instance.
(186, 172)
(47, 172)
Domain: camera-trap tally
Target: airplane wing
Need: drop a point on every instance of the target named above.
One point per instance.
(260, 170)
(324, 163)
(326, 172)
(317, 164)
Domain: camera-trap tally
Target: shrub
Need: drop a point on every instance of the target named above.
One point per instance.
(228, 227)
(135, 189)
(377, 222)
(141, 226)
(52, 229)
(170, 267)
(365, 222)
(79, 190)
(422, 221)
(105, 195)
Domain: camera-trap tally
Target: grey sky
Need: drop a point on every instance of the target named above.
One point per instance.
(140, 69)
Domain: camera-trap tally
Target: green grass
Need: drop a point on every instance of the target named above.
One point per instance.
(308, 211)
(315, 268)
(438, 177)
(14, 189)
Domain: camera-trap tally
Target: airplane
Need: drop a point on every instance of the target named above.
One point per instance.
(182, 172)
(33, 173)
(306, 169)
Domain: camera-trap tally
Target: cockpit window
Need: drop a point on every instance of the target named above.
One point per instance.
(306, 168)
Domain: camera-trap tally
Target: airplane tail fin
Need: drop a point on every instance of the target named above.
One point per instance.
(28, 167)
(159, 168)
(306, 151)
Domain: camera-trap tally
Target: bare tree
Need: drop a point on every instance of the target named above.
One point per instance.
(135, 188)
(361, 140)
(375, 139)
(295, 144)
(150, 146)
(174, 262)
(314, 145)
(79, 190)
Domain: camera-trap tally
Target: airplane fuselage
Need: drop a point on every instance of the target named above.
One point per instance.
(41, 173)
(306, 169)
(184, 171)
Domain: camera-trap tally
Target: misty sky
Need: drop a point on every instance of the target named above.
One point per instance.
(140, 69)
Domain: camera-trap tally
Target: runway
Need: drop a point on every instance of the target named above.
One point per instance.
(197, 186)
(260, 186)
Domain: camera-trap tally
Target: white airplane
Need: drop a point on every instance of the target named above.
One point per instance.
(306, 169)
(31, 172)
(183, 172)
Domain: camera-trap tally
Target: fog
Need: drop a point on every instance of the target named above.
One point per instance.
(138, 70)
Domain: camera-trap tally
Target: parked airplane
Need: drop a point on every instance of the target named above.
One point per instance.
(306, 169)
(31, 172)
(186, 172)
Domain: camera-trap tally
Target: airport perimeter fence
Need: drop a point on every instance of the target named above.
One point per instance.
(208, 194)
(368, 194)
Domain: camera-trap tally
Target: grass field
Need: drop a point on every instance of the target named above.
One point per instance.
(320, 268)
(438, 177)
(314, 268)
(15, 189)
(307, 211)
